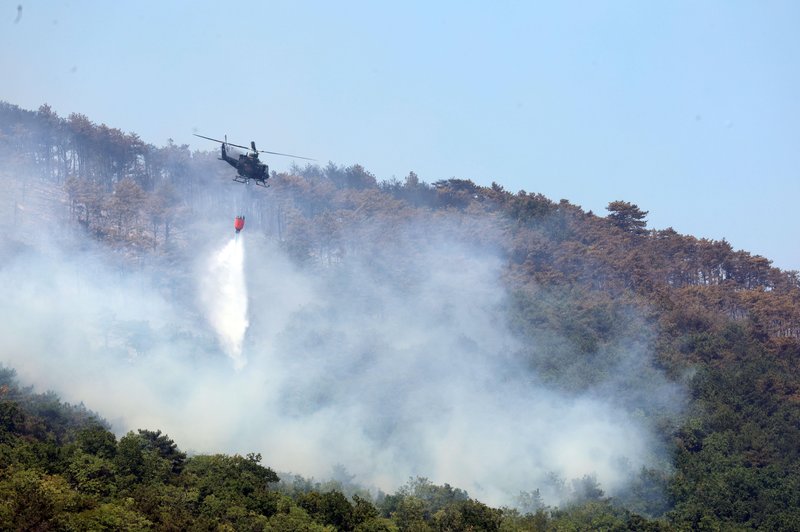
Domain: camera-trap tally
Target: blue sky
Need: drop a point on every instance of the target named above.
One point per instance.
(691, 110)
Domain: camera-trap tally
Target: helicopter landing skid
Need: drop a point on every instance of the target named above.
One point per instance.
(246, 181)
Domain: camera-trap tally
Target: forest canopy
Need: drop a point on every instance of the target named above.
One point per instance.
(719, 323)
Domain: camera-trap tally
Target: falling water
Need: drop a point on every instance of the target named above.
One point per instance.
(224, 294)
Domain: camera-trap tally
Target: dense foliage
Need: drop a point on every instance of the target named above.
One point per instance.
(725, 324)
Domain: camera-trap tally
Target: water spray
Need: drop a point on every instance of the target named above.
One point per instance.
(224, 294)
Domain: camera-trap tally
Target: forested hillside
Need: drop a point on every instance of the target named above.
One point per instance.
(694, 340)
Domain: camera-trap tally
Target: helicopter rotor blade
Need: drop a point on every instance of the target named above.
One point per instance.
(251, 148)
(238, 146)
(286, 155)
(209, 138)
(222, 141)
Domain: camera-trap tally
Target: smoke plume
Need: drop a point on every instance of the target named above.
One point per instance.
(394, 361)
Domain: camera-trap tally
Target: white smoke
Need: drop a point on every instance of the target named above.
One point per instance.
(223, 294)
(395, 362)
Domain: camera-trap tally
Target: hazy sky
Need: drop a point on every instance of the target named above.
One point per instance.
(688, 109)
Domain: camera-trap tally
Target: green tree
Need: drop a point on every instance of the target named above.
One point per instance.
(30, 500)
(627, 216)
(292, 518)
(232, 481)
(129, 459)
(363, 510)
(97, 440)
(586, 489)
(92, 474)
(330, 508)
(146, 457)
(164, 447)
(109, 516)
(409, 514)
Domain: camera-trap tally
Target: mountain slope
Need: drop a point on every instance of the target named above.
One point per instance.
(693, 343)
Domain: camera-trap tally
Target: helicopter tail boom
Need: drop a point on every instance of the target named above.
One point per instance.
(227, 158)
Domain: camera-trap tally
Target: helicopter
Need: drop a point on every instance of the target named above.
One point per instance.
(248, 166)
